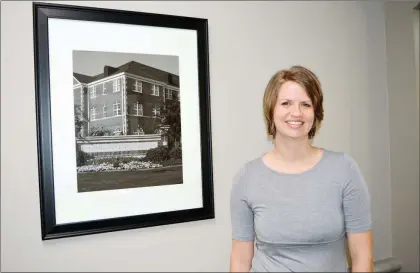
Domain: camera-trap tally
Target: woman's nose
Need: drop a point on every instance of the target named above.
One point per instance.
(296, 110)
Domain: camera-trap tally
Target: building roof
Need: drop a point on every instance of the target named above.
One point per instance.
(132, 68)
(82, 78)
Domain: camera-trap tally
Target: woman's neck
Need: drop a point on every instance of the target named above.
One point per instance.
(292, 150)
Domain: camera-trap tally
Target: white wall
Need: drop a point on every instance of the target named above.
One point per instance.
(404, 137)
(249, 41)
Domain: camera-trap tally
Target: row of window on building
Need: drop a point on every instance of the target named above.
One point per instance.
(137, 87)
(116, 87)
(116, 107)
(117, 132)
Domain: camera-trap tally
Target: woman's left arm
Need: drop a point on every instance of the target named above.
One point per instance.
(361, 251)
(358, 219)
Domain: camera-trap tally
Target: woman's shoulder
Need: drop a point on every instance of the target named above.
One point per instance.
(248, 168)
(339, 156)
(340, 160)
(250, 165)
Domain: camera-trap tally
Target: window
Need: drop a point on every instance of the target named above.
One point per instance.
(169, 94)
(137, 86)
(156, 110)
(117, 108)
(138, 109)
(117, 85)
(155, 90)
(104, 111)
(93, 92)
(103, 89)
(93, 113)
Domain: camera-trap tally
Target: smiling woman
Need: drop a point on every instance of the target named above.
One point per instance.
(298, 91)
(296, 207)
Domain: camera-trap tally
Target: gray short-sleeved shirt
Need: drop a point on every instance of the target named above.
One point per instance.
(299, 221)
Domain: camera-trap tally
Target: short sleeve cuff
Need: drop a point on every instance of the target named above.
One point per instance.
(358, 229)
(243, 238)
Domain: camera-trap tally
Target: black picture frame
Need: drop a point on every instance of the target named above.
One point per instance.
(42, 12)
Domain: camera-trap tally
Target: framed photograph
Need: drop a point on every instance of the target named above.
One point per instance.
(123, 119)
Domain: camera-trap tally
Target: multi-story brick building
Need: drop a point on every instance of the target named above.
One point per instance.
(124, 100)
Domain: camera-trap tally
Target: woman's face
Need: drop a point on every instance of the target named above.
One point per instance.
(294, 113)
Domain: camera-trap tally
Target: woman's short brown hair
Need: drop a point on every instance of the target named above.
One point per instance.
(308, 80)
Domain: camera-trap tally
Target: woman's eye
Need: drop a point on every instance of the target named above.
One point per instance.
(285, 103)
(306, 105)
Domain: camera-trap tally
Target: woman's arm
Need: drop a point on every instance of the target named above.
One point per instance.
(241, 256)
(358, 219)
(361, 251)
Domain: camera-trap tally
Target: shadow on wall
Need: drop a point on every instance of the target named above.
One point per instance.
(386, 265)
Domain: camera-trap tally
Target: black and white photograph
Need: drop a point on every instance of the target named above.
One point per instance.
(123, 124)
(127, 120)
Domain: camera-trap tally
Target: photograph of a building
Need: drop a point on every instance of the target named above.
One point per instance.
(127, 118)
(137, 89)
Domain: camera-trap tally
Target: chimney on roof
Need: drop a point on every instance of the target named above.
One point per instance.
(173, 79)
(109, 70)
